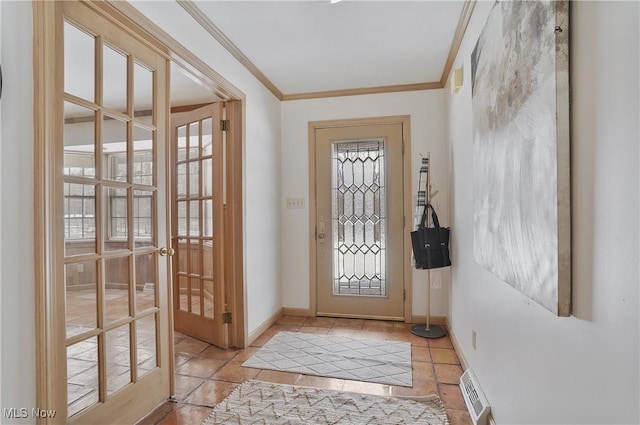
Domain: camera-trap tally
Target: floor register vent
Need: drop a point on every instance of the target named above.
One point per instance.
(474, 398)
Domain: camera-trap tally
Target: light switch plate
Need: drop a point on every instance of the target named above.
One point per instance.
(295, 203)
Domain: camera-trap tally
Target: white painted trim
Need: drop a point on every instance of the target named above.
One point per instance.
(203, 20)
(456, 345)
(264, 326)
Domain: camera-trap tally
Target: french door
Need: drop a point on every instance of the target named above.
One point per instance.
(106, 357)
(198, 275)
(359, 191)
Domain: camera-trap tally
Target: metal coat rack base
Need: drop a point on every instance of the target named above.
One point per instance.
(433, 331)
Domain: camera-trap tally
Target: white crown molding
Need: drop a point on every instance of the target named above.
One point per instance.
(217, 34)
(461, 29)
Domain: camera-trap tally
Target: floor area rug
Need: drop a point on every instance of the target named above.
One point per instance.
(257, 402)
(369, 360)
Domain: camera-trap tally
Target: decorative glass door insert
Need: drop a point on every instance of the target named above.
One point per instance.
(359, 200)
(359, 218)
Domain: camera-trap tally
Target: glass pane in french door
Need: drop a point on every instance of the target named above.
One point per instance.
(117, 282)
(114, 82)
(146, 282)
(147, 343)
(79, 50)
(82, 375)
(113, 275)
(118, 358)
(81, 294)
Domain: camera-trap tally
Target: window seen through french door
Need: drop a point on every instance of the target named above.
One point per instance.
(79, 220)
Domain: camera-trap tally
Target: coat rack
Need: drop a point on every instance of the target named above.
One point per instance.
(427, 330)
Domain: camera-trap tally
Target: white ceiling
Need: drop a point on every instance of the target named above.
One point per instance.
(313, 45)
(302, 46)
(185, 90)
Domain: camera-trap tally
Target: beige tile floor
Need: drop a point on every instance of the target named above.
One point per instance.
(205, 375)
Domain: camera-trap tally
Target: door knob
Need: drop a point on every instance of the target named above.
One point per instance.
(167, 251)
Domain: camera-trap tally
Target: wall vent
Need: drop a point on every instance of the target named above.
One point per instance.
(474, 398)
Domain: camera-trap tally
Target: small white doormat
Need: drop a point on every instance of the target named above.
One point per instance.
(256, 402)
(369, 360)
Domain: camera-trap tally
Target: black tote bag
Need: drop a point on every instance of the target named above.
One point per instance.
(430, 244)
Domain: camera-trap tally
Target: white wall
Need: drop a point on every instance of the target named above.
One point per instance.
(535, 367)
(261, 180)
(428, 134)
(262, 158)
(0, 219)
(17, 314)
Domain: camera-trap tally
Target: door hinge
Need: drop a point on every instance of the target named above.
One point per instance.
(403, 147)
(226, 317)
(404, 221)
(404, 295)
(224, 125)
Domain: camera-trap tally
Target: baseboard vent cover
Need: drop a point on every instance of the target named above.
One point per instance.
(474, 398)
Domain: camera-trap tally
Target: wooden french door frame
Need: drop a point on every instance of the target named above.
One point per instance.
(47, 127)
(234, 219)
(198, 262)
(405, 121)
(233, 224)
(144, 390)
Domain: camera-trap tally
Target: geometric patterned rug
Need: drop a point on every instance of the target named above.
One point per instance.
(369, 360)
(256, 402)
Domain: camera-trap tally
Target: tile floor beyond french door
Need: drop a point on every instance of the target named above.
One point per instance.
(205, 374)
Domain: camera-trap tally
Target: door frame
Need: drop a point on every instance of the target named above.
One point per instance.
(46, 92)
(405, 120)
(235, 102)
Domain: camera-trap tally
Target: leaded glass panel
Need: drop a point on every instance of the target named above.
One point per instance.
(359, 218)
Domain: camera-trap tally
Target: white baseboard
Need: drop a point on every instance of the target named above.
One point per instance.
(456, 346)
(264, 326)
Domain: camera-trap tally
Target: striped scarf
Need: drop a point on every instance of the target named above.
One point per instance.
(423, 184)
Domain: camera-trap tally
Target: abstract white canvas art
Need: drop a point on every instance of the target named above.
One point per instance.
(520, 92)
